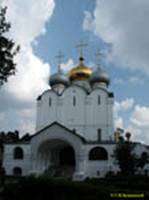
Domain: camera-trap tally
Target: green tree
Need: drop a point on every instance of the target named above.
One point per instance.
(125, 157)
(143, 160)
(8, 49)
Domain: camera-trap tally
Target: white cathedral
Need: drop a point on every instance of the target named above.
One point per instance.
(74, 134)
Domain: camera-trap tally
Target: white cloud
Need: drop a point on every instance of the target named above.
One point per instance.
(68, 65)
(88, 23)
(119, 109)
(28, 21)
(31, 77)
(118, 81)
(118, 122)
(137, 119)
(124, 105)
(124, 24)
(133, 80)
(27, 116)
(22, 119)
(28, 18)
(2, 116)
(139, 124)
(140, 117)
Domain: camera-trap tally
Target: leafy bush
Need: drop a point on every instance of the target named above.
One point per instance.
(60, 189)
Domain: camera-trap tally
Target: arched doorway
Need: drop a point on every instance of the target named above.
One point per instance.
(17, 171)
(56, 158)
(67, 156)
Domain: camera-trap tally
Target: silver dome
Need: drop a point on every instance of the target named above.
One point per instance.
(59, 78)
(99, 75)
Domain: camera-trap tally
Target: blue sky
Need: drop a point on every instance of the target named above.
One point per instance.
(64, 32)
(43, 28)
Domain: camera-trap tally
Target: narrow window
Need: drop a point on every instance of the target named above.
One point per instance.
(99, 100)
(50, 101)
(74, 101)
(99, 135)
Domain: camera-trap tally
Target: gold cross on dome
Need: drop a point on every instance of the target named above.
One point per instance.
(59, 57)
(80, 46)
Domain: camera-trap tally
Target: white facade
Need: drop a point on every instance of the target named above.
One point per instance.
(10, 162)
(91, 111)
(38, 154)
(74, 130)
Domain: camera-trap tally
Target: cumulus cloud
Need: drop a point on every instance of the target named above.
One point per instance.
(28, 18)
(133, 80)
(140, 116)
(121, 108)
(28, 21)
(138, 123)
(68, 65)
(18, 119)
(31, 77)
(124, 105)
(118, 122)
(124, 24)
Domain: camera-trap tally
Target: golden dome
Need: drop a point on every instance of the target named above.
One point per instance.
(80, 72)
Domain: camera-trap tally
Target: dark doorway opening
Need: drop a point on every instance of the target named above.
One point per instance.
(17, 171)
(67, 156)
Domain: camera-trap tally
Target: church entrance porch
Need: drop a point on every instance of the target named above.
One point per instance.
(56, 158)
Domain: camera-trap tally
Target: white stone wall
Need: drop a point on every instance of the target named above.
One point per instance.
(101, 166)
(86, 117)
(54, 133)
(10, 163)
(84, 167)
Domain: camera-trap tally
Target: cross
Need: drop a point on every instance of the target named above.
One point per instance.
(98, 56)
(80, 46)
(59, 58)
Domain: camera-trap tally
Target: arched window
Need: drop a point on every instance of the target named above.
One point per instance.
(18, 153)
(17, 171)
(98, 153)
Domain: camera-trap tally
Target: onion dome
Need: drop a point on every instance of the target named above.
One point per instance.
(80, 72)
(59, 78)
(98, 76)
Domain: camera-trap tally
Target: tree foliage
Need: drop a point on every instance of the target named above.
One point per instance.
(8, 49)
(125, 157)
(144, 159)
(127, 160)
(13, 137)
